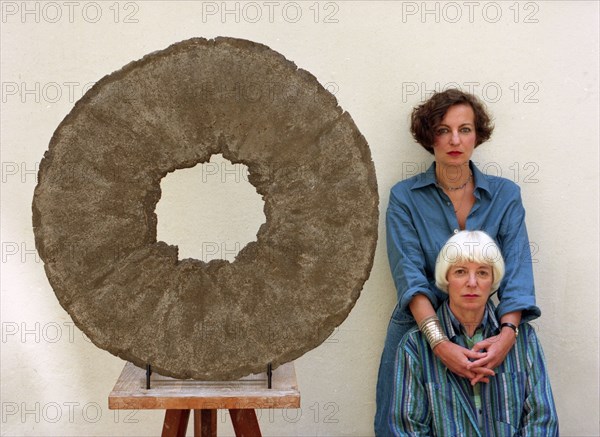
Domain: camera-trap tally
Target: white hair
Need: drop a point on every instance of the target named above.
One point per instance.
(469, 246)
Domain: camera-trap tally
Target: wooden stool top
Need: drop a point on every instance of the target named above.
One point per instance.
(129, 393)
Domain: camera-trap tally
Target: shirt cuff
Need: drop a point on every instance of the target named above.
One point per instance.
(408, 296)
(529, 310)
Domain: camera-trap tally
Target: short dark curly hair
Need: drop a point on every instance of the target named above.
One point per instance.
(427, 116)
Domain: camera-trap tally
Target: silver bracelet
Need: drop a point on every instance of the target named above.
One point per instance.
(432, 329)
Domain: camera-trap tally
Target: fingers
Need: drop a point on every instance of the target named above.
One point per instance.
(483, 371)
(468, 374)
(484, 344)
(480, 378)
(482, 375)
(477, 379)
(474, 354)
(477, 373)
(482, 362)
(456, 358)
(493, 359)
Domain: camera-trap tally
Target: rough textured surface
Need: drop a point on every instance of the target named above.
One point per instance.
(99, 183)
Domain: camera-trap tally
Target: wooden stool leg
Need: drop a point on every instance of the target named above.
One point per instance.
(245, 423)
(176, 422)
(205, 423)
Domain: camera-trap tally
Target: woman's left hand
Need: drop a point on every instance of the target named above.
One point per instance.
(497, 348)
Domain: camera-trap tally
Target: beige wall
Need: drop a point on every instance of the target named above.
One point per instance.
(534, 63)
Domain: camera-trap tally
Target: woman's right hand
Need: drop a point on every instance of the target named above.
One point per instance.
(456, 358)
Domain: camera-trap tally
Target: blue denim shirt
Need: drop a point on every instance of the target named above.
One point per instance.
(420, 219)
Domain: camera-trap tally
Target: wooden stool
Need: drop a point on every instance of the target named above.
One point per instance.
(178, 397)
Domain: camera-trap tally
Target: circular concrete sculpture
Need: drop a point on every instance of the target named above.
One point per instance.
(99, 183)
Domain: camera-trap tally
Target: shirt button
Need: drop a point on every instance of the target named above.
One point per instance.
(456, 231)
(448, 203)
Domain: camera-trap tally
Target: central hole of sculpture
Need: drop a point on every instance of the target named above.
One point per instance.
(209, 211)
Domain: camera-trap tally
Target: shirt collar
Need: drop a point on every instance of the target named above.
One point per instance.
(428, 178)
(452, 326)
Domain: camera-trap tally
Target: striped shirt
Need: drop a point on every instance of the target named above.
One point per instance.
(430, 400)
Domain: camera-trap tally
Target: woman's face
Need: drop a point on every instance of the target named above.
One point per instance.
(454, 138)
(469, 286)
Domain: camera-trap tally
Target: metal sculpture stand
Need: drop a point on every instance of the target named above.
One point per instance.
(141, 389)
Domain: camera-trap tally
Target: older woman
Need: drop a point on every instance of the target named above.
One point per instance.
(430, 401)
(424, 211)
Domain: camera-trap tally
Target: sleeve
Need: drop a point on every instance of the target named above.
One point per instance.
(516, 292)
(405, 255)
(539, 415)
(410, 413)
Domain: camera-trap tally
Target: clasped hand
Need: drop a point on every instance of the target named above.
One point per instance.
(476, 364)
